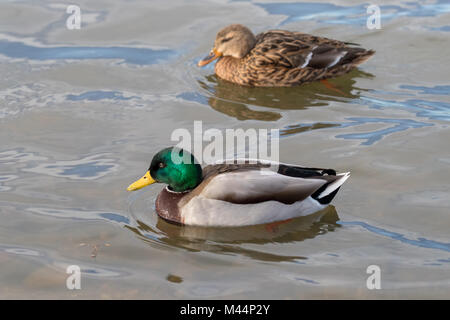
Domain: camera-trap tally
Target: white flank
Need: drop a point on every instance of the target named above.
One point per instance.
(201, 211)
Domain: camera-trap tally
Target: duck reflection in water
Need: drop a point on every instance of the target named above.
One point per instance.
(230, 240)
(240, 102)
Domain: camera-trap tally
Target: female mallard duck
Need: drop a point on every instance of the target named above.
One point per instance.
(280, 58)
(236, 194)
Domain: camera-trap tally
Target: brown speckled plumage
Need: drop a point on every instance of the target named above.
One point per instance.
(282, 58)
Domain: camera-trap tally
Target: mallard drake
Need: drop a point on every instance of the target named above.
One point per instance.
(280, 58)
(236, 194)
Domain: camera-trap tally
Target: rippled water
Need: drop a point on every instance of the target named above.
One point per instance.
(83, 111)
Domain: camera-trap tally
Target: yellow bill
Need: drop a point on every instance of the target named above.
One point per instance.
(213, 55)
(142, 182)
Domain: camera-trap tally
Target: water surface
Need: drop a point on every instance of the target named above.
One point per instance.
(83, 111)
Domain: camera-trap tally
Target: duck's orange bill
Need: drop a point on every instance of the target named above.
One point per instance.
(142, 182)
(213, 55)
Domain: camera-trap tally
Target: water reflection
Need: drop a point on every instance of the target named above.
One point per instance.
(232, 241)
(419, 242)
(19, 155)
(240, 102)
(87, 168)
(97, 95)
(370, 137)
(52, 260)
(433, 110)
(390, 126)
(356, 14)
(81, 214)
(6, 178)
(140, 56)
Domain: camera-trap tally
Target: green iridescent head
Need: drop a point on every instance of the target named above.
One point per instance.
(174, 166)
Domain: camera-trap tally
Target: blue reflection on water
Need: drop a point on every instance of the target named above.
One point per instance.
(115, 217)
(436, 110)
(440, 90)
(324, 12)
(307, 280)
(432, 110)
(443, 28)
(337, 14)
(81, 214)
(98, 95)
(374, 136)
(90, 167)
(85, 170)
(194, 97)
(91, 271)
(141, 56)
(420, 242)
(370, 137)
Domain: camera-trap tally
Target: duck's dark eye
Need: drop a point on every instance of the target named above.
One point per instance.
(226, 39)
(161, 165)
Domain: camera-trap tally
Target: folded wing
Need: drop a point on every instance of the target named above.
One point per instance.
(253, 186)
